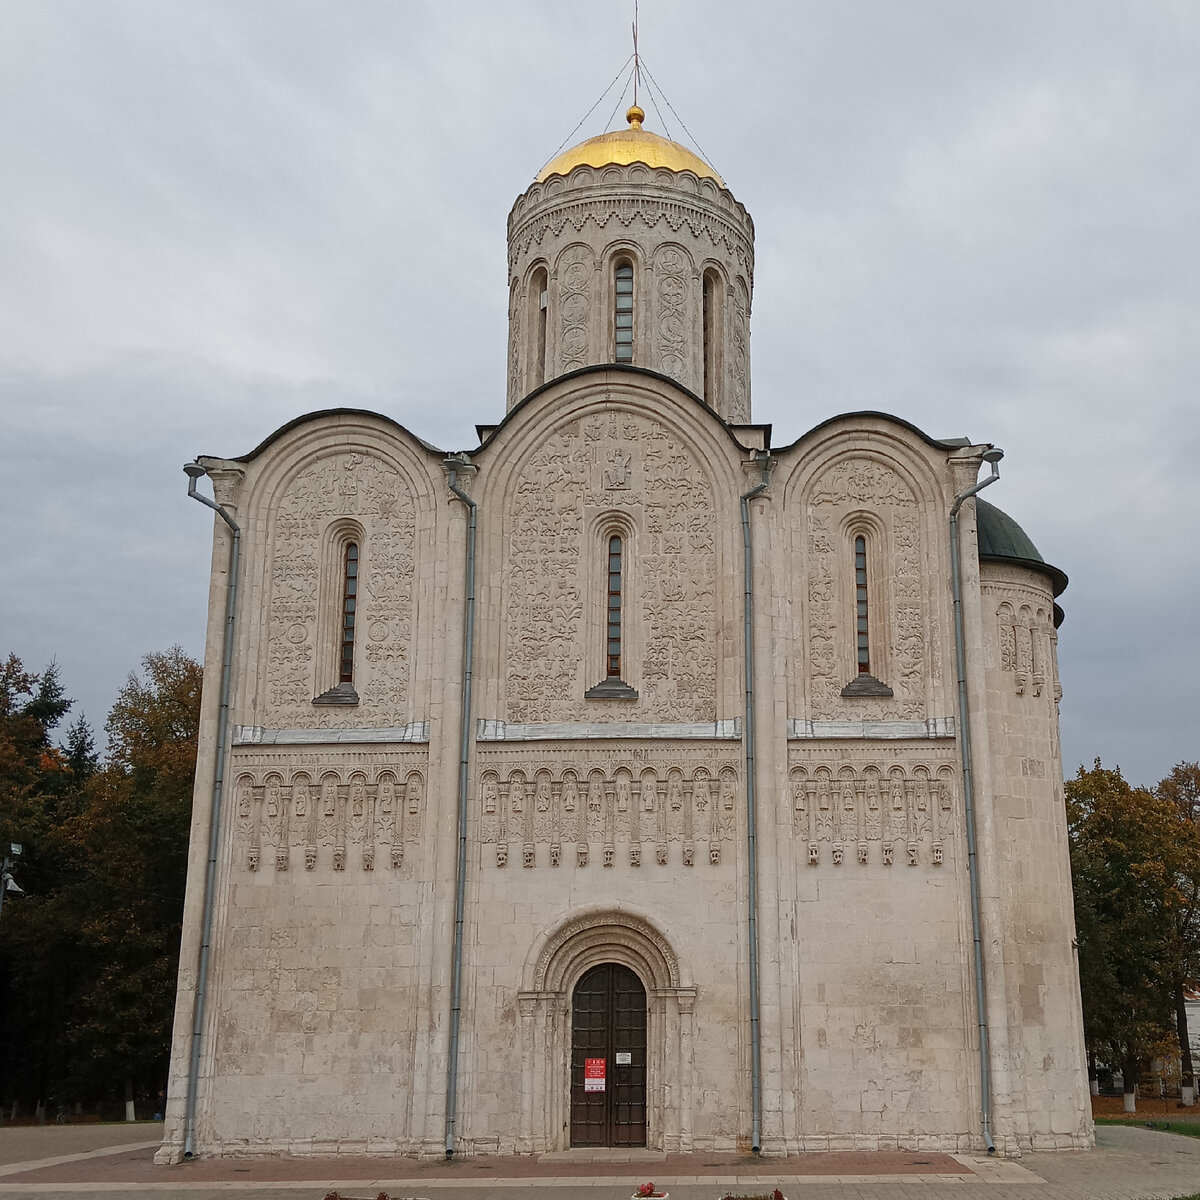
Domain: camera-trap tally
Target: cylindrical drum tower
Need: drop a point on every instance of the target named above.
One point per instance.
(630, 249)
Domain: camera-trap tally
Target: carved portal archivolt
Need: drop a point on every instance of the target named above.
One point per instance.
(555, 965)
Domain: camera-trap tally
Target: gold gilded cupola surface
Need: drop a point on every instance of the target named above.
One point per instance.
(625, 146)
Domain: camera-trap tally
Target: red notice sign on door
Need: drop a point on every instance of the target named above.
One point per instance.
(593, 1074)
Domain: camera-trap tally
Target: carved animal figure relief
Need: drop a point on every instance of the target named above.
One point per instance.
(845, 488)
(627, 461)
(378, 499)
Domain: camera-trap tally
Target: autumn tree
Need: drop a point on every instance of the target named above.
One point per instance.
(90, 954)
(1181, 788)
(1135, 862)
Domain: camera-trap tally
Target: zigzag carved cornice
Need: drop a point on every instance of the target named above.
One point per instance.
(651, 211)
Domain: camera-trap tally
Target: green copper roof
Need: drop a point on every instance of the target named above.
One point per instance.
(1001, 539)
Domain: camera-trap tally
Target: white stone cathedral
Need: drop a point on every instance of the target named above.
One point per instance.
(622, 781)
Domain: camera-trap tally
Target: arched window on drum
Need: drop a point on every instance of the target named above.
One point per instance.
(623, 311)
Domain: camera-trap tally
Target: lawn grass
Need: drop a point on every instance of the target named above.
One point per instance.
(1186, 1128)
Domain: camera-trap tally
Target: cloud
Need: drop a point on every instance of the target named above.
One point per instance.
(981, 218)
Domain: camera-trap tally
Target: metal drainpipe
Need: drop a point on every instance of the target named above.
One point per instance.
(992, 456)
(194, 471)
(452, 466)
(751, 809)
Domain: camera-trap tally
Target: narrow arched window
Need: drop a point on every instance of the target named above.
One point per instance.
(349, 605)
(712, 338)
(613, 624)
(860, 601)
(539, 294)
(623, 312)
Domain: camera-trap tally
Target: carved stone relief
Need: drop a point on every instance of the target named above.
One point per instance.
(338, 818)
(865, 485)
(672, 274)
(1027, 640)
(376, 495)
(515, 345)
(905, 809)
(574, 272)
(634, 465)
(738, 408)
(617, 810)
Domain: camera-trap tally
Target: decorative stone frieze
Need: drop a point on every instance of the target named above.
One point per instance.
(628, 801)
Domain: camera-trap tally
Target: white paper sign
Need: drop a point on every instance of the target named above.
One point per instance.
(624, 1058)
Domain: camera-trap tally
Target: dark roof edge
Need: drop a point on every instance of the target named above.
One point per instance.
(1057, 578)
(304, 418)
(627, 369)
(937, 444)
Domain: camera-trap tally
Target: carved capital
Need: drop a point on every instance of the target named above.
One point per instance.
(226, 479)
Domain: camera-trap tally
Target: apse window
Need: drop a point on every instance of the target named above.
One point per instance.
(623, 312)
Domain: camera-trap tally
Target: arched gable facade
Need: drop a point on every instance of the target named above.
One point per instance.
(582, 461)
(304, 497)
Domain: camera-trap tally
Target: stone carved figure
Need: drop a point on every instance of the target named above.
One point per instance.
(850, 485)
(378, 503)
(596, 463)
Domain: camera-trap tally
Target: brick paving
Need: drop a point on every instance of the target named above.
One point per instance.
(1129, 1164)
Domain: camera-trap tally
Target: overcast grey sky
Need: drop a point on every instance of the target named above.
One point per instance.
(980, 216)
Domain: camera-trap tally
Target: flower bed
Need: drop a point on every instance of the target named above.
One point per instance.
(775, 1195)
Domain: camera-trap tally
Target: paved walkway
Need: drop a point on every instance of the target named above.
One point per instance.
(89, 1162)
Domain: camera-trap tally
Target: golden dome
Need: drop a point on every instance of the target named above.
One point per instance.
(631, 145)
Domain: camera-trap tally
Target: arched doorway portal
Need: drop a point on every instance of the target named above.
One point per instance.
(557, 964)
(608, 1058)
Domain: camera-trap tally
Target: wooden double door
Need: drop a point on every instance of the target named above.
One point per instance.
(608, 1058)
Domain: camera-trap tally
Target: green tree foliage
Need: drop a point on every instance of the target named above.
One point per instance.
(1135, 860)
(31, 707)
(1182, 789)
(90, 953)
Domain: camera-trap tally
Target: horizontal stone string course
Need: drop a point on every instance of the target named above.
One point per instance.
(935, 727)
(508, 731)
(256, 735)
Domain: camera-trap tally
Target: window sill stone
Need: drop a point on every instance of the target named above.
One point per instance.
(866, 685)
(343, 695)
(611, 689)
